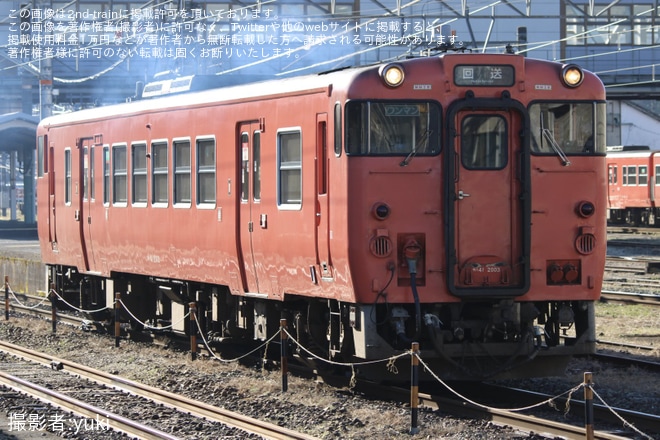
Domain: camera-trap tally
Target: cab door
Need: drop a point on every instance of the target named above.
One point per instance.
(488, 198)
(249, 220)
(323, 260)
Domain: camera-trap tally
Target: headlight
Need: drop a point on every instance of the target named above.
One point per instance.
(572, 75)
(392, 74)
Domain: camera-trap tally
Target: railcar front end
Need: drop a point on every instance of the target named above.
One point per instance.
(477, 212)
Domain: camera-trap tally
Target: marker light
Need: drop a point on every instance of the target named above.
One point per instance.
(586, 209)
(572, 75)
(392, 74)
(381, 211)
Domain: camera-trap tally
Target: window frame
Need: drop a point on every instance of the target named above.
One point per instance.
(106, 175)
(119, 174)
(139, 173)
(433, 142)
(599, 118)
(205, 170)
(287, 167)
(159, 172)
(181, 170)
(68, 178)
(504, 147)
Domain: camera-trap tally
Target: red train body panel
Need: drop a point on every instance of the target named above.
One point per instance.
(464, 208)
(633, 185)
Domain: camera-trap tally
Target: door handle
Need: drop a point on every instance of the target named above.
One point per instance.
(462, 195)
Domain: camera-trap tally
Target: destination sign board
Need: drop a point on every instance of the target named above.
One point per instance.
(484, 75)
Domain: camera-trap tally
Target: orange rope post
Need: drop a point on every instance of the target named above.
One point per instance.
(193, 331)
(284, 362)
(6, 298)
(414, 390)
(588, 407)
(117, 313)
(53, 307)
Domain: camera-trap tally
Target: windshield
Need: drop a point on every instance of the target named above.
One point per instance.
(392, 128)
(568, 128)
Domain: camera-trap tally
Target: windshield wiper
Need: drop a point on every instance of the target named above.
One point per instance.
(412, 154)
(547, 134)
(555, 146)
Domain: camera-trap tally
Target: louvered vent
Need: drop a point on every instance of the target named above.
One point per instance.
(381, 246)
(585, 244)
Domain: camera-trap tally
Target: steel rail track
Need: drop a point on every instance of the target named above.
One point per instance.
(630, 298)
(459, 407)
(171, 400)
(82, 409)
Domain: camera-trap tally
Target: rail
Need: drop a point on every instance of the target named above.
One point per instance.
(171, 400)
(629, 298)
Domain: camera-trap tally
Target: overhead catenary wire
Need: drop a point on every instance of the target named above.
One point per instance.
(336, 61)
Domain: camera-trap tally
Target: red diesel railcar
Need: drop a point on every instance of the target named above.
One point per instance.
(457, 200)
(634, 180)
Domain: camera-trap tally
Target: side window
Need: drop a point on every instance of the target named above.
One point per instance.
(643, 177)
(159, 172)
(106, 174)
(245, 166)
(85, 174)
(613, 174)
(206, 171)
(657, 174)
(92, 179)
(484, 142)
(67, 176)
(338, 136)
(629, 175)
(182, 172)
(42, 157)
(289, 160)
(119, 175)
(256, 165)
(139, 173)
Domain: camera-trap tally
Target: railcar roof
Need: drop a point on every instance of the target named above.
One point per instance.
(625, 154)
(205, 97)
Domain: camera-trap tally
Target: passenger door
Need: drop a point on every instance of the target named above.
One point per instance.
(488, 198)
(52, 218)
(249, 193)
(86, 197)
(654, 181)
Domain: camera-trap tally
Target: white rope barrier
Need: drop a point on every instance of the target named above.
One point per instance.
(25, 305)
(151, 327)
(77, 308)
(215, 356)
(625, 422)
(456, 393)
(390, 362)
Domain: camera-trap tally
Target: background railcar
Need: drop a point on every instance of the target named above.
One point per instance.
(633, 185)
(456, 200)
